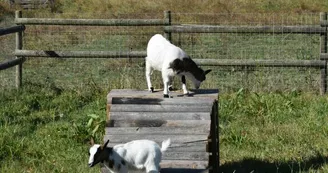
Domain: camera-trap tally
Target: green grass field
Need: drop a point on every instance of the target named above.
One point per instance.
(44, 129)
(271, 119)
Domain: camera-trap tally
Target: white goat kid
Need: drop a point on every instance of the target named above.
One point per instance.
(137, 154)
(171, 60)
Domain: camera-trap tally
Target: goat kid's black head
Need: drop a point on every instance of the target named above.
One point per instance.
(98, 153)
(199, 76)
(189, 67)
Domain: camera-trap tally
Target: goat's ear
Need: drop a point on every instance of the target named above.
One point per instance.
(104, 146)
(207, 71)
(92, 142)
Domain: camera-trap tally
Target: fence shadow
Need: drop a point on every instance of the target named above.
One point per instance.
(259, 166)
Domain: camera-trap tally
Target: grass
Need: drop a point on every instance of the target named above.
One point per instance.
(281, 132)
(271, 119)
(45, 129)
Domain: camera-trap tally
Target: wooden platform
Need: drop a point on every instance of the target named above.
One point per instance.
(191, 122)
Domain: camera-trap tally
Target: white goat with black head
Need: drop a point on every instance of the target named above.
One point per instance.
(137, 154)
(171, 60)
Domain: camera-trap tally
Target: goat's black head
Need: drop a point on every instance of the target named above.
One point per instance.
(190, 69)
(98, 153)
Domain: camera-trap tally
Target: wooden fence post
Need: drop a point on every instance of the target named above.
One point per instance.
(19, 46)
(323, 49)
(167, 16)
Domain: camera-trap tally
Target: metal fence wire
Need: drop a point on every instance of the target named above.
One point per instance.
(129, 72)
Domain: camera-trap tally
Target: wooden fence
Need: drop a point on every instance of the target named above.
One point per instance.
(169, 29)
(32, 4)
(19, 60)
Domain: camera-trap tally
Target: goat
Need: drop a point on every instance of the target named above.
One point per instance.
(171, 60)
(138, 154)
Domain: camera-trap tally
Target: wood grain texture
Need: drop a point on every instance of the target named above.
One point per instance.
(175, 139)
(134, 93)
(187, 121)
(160, 115)
(162, 101)
(159, 108)
(158, 130)
(306, 29)
(176, 166)
(158, 123)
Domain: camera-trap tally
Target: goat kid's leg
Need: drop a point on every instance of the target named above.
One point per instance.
(170, 84)
(166, 82)
(166, 88)
(148, 73)
(152, 169)
(184, 87)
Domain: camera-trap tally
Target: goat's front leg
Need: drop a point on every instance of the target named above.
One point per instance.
(170, 84)
(166, 75)
(166, 82)
(184, 86)
(148, 73)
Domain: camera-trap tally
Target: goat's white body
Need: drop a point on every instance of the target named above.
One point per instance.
(160, 53)
(141, 154)
(137, 154)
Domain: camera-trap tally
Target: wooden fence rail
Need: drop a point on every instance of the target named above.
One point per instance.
(13, 29)
(261, 63)
(80, 54)
(245, 29)
(92, 22)
(11, 63)
(320, 30)
(142, 54)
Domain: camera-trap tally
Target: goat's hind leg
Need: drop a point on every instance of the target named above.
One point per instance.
(148, 73)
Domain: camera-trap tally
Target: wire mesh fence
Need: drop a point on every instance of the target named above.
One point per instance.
(7, 46)
(129, 72)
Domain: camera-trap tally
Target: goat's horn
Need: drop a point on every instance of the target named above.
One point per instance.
(106, 143)
(92, 142)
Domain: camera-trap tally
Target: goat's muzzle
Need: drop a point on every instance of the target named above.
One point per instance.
(91, 165)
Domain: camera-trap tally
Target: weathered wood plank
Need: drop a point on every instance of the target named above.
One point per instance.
(92, 22)
(175, 139)
(158, 123)
(160, 116)
(178, 167)
(159, 108)
(157, 130)
(159, 101)
(134, 93)
(305, 29)
(179, 147)
(190, 164)
(185, 156)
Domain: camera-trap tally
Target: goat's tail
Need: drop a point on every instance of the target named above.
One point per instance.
(165, 145)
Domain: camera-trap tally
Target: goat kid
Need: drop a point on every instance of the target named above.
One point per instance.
(171, 60)
(138, 154)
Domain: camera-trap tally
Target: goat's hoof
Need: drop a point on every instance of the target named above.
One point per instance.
(166, 96)
(187, 94)
(170, 88)
(151, 89)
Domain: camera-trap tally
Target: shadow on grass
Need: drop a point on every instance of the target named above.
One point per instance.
(258, 166)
